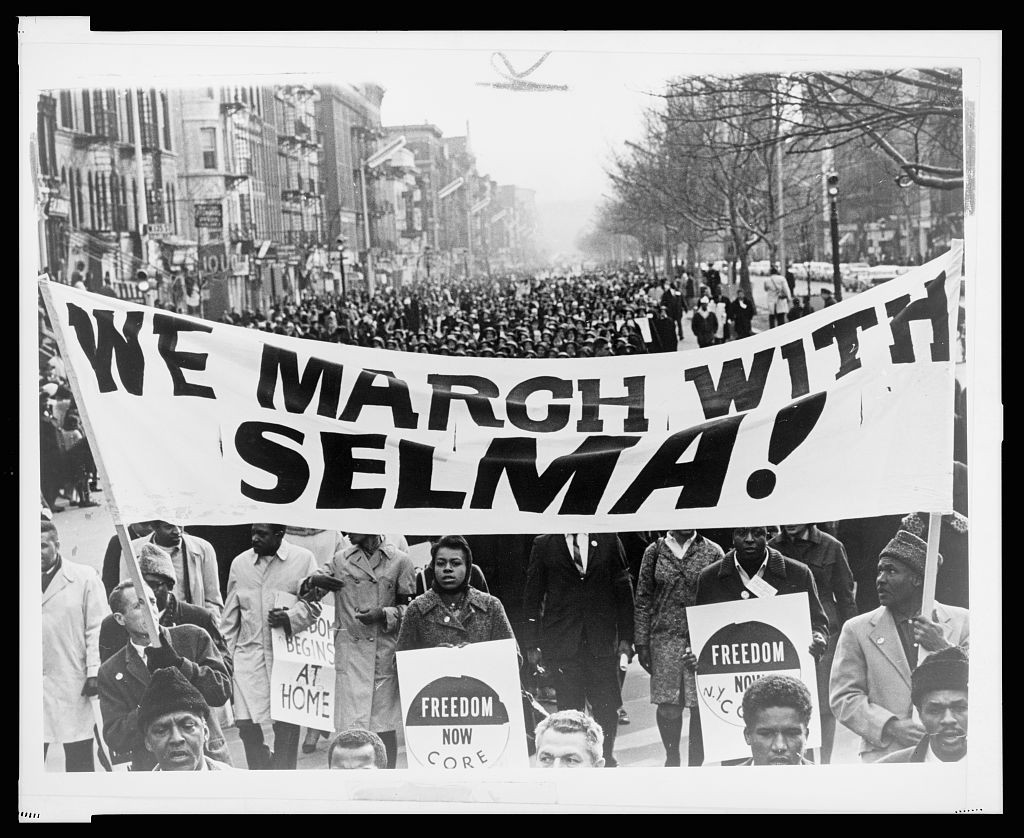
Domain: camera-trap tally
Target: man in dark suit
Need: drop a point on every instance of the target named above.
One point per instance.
(580, 583)
(124, 677)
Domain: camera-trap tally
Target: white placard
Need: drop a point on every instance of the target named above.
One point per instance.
(462, 707)
(736, 643)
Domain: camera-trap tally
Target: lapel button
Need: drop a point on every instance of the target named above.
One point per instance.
(593, 544)
(119, 676)
(447, 619)
(880, 641)
(744, 594)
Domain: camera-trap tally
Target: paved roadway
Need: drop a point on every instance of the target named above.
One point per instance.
(85, 533)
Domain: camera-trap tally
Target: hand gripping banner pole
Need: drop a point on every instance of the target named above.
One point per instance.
(122, 532)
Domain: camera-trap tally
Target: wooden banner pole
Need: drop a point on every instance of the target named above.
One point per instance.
(122, 532)
(931, 564)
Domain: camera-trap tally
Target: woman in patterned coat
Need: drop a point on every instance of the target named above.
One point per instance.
(666, 586)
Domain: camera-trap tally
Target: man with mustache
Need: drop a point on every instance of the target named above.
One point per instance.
(939, 692)
(870, 684)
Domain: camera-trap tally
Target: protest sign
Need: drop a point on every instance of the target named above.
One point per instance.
(302, 678)
(264, 427)
(462, 707)
(736, 643)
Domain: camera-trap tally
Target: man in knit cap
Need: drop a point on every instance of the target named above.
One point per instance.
(939, 692)
(174, 720)
(158, 572)
(870, 684)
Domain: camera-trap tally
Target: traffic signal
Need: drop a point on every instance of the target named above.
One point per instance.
(833, 184)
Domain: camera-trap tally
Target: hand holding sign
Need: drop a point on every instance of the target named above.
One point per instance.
(643, 654)
(278, 618)
(328, 583)
(690, 659)
(819, 644)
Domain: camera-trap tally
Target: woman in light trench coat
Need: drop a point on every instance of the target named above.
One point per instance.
(372, 583)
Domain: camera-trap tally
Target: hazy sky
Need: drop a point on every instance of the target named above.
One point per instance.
(557, 142)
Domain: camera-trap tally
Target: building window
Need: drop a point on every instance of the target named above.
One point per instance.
(67, 119)
(124, 205)
(129, 112)
(167, 119)
(92, 202)
(77, 177)
(86, 112)
(208, 145)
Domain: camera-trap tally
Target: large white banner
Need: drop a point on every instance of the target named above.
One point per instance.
(736, 643)
(846, 412)
(462, 707)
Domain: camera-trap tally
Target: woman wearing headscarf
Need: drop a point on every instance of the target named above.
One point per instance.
(452, 612)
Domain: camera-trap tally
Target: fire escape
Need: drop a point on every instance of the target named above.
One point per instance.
(244, 135)
(300, 141)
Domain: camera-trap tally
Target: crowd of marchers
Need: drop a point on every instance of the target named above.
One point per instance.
(574, 603)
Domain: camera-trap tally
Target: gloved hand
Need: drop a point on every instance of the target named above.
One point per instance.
(162, 656)
(625, 648)
(819, 644)
(534, 657)
(328, 583)
(643, 654)
(370, 616)
(90, 689)
(278, 618)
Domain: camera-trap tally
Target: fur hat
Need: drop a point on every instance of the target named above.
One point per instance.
(907, 548)
(943, 670)
(170, 692)
(156, 561)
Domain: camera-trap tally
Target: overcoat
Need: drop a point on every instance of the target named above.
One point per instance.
(428, 622)
(73, 609)
(123, 680)
(870, 679)
(252, 591)
(666, 587)
(366, 681)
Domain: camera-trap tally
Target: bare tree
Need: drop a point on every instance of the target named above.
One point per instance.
(912, 116)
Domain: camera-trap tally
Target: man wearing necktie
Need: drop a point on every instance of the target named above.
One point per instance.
(578, 604)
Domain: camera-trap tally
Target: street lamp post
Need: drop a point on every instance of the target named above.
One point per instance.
(833, 195)
(340, 241)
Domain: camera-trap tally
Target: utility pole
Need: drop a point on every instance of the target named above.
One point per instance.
(781, 208)
(833, 195)
(366, 229)
(140, 179)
